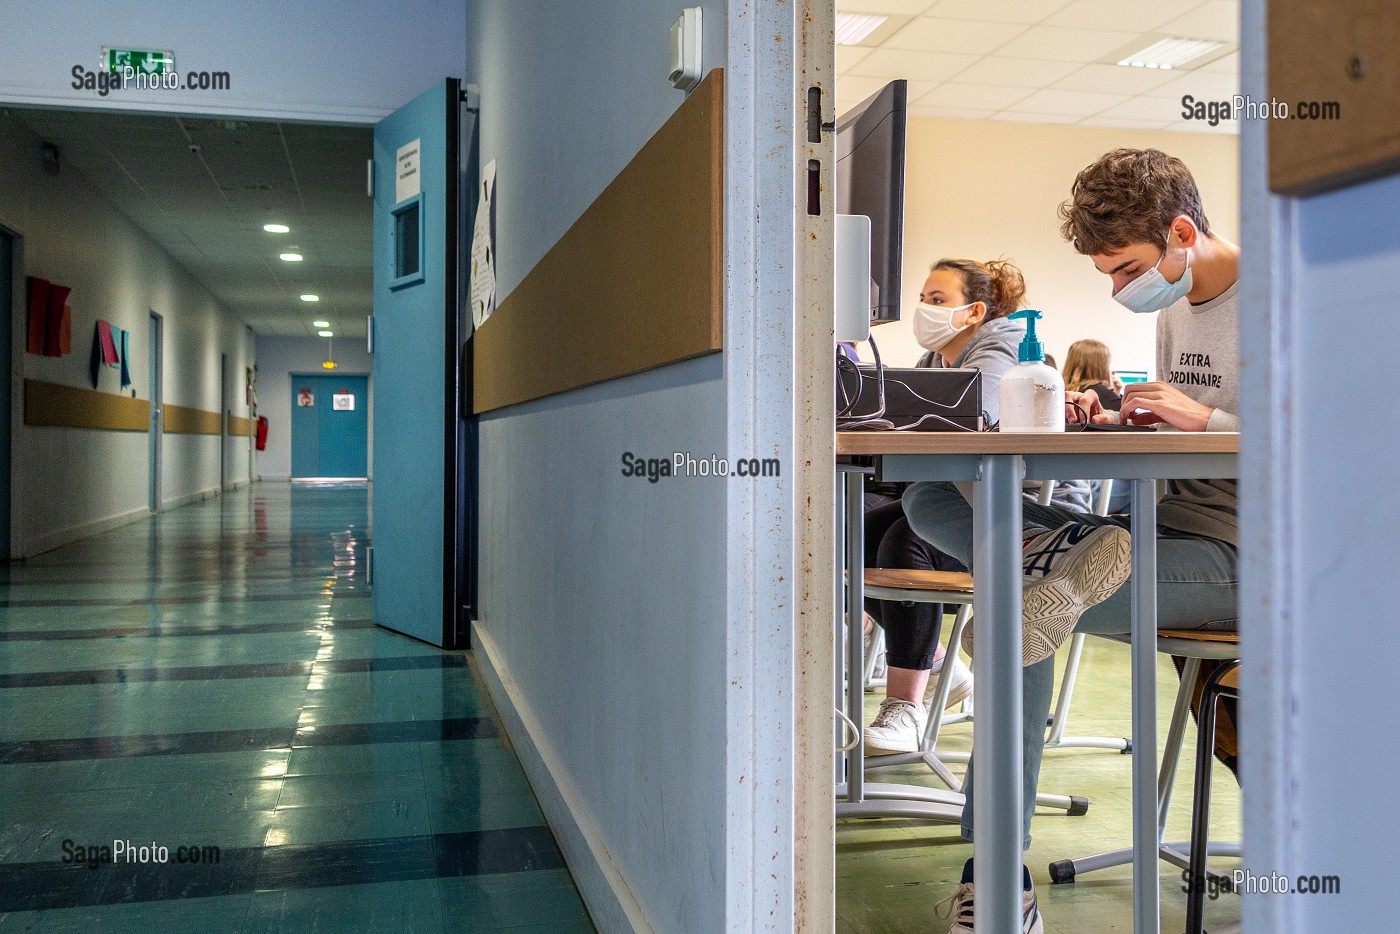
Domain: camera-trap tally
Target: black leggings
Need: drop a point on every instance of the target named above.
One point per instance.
(911, 629)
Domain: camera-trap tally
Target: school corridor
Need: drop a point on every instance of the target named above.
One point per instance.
(211, 680)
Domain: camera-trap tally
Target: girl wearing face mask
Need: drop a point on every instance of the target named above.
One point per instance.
(960, 321)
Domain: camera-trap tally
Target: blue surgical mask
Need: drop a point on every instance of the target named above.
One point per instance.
(1151, 291)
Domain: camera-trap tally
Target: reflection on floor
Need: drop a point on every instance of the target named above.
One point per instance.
(890, 874)
(211, 679)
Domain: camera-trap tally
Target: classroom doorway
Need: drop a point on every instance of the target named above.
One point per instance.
(330, 426)
(7, 293)
(157, 365)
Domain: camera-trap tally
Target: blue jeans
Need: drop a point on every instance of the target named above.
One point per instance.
(1197, 588)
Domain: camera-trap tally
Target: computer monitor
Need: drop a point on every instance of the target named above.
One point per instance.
(870, 181)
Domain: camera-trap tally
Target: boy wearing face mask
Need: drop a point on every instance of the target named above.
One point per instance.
(1137, 215)
(960, 321)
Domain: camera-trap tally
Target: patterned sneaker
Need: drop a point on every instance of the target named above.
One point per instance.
(1066, 570)
(959, 906)
(898, 727)
(958, 690)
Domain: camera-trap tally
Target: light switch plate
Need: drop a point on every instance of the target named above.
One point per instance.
(685, 49)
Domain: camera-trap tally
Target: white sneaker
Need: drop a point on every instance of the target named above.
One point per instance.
(898, 727)
(1066, 571)
(960, 688)
(959, 905)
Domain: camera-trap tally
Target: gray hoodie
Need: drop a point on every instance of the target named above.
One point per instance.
(993, 350)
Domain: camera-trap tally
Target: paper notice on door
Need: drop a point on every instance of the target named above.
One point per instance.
(483, 286)
(407, 180)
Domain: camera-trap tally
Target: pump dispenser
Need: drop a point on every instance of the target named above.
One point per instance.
(1032, 392)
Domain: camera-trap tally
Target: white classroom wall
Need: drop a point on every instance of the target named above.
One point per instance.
(987, 189)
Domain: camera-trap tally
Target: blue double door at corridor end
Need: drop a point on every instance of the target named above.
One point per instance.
(330, 426)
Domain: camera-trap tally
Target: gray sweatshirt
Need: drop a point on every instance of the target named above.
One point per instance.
(993, 350)
(1198, 353)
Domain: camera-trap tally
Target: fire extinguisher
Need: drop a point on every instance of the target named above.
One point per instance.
(262, 432)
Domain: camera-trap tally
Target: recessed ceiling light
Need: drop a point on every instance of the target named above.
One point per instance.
(310, 298)
(1172, 52)
(276, 228)
(320, 324)
(325, 333)
(291, 257)
(852, 28)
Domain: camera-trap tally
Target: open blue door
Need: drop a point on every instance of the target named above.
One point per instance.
(420, 564)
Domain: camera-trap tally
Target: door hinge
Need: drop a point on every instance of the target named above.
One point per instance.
(369, 333)
(369, 566)
(369, 177)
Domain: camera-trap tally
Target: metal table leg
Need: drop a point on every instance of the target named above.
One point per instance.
(996, 730)
(859, 798)
(1146, 841)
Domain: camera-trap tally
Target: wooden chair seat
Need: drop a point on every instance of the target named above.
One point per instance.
(905, 579)
(1201, 635)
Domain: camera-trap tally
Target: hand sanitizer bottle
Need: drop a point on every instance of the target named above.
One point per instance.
(1032, 392)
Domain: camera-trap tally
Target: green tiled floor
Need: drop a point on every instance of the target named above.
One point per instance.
(378, 821)
(890, 874)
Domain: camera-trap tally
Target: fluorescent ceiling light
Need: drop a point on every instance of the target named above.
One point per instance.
(320, 324)
(291, 257)
(1172, 52)
(310, 298)
(276, 228)
(853, 28)
(325, 333)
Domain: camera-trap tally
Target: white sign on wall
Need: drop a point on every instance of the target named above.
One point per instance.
(343, 402)
(407, 181)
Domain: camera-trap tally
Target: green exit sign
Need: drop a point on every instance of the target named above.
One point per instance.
(140, 61)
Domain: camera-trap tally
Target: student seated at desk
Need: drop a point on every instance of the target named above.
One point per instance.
(1088, 369)
(1137, 215)
(960, 322)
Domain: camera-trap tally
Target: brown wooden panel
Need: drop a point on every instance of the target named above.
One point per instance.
(238, 426)
(1342, 51)
(1036, 442)
(57, 406)
(634, 284)
(182, 420)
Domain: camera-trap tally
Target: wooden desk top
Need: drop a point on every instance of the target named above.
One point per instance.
(1068, 442)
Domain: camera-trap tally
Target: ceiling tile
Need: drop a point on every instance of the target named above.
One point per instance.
(1214, 19)
(1123, 122)
(1225, 65)
(899, 63)
(929, 34)
(998, 71)
(1202, 85)
(976, 96)
(953, 113)
(1137, 15)
(1000, 11)
(1010, 116)
(1114, 79)
(1082, 103)
(1057, 43)
(1158, 109)
(887, 7)
(848, 55)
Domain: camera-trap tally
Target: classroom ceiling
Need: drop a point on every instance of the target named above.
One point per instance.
(203, 188)
(1042, 61)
